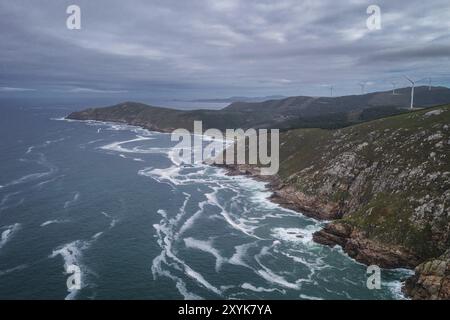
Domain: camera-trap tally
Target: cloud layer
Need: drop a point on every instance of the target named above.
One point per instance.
(213, 48)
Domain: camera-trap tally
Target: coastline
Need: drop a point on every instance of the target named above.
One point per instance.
(336, 232)
(430, 279)
(352, 241)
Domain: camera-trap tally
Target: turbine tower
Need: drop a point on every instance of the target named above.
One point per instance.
(413, 84)
(363, 86)
(393, 87)
(429, 84)
(331, 90)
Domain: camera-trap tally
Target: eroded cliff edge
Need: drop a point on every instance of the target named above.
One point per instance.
(384, 185)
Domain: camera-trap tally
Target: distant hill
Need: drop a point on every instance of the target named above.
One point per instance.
(295, 111)
(240, 99)
(287, 113)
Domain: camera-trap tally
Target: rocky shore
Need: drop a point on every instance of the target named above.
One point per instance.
(356, 244)
(431, 280)
(353, 241)
(384, 187)
(432, 277)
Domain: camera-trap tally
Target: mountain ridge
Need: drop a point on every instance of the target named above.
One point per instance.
(284, 114)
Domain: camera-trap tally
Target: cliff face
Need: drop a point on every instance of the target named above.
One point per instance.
(387, 181)
(431, 280)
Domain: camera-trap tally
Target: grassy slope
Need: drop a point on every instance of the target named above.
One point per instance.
(390, 175)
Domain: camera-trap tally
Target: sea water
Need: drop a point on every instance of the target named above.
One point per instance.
(109, 199)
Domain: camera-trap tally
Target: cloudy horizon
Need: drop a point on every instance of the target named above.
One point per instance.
(212, 49)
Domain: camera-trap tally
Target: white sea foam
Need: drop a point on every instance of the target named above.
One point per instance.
(8, 233)
(306, 297)
(296, 235)
(170, 174)
(270, 275)
(72, 254)
(238, 225)
(95, 141)
(395, 286)
(18, 268)
(191, 220)
(113, 221)
(35, 176)
(206, 246)
(49, 222)
(43, 145)
(179, 283)
(43, 183)
(118, 146)
(199, 278)
(251, 287)
(166, 231)
(240, 252)
(75, 198)
(97, 235)
(27, 178)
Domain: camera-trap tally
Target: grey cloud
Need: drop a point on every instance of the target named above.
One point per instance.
(206, 48)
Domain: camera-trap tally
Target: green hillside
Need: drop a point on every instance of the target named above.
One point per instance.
(388, 178)
(284, 114)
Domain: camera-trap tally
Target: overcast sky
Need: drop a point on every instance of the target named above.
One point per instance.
(218, 48)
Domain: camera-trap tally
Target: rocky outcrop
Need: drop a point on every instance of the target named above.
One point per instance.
(312, 206)
(356, 244)
(431, 280)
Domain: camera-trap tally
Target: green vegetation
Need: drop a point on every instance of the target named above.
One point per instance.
(390, 176)
(285, 114)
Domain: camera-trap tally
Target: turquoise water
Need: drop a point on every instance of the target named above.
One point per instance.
(109, 199)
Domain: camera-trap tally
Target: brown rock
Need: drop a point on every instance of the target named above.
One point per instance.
(431, 280)
(366, 251)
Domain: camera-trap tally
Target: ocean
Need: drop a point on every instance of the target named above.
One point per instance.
(109, 199)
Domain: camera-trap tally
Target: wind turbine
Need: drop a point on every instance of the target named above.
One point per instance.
(429, 84)
(413, 84)
(393, 87)
(331, 90)
(362, 85)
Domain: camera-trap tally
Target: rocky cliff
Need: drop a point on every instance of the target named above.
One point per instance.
(387, 181)
(431, 280)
